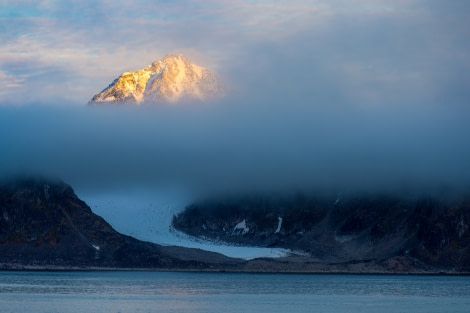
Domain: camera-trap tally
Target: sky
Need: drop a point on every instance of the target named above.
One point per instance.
(337, 93)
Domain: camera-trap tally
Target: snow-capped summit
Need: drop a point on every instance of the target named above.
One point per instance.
(168, 80)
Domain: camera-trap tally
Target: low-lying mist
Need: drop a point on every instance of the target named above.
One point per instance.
(346, 98)
(242, 144)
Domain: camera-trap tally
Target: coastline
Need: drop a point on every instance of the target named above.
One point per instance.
(241, 270)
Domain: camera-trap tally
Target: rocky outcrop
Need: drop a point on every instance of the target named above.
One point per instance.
(376, 231)
(43, 224)
(169, 80)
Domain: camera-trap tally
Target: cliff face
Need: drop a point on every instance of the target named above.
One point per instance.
(374, 228)
(44, 224)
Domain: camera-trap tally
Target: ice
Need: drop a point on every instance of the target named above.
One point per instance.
(240, 228)
(46, 191)
(147, 215)
(279, 224)
(338, 199)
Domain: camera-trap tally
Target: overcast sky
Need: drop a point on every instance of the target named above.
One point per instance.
(327, 91)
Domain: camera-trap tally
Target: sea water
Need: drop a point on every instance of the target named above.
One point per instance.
(86, 292)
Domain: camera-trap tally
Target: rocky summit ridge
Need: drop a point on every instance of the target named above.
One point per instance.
(166, 81)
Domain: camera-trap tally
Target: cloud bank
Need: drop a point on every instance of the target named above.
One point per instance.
(320, 94)
(239, 145)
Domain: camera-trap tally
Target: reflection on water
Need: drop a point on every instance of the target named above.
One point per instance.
(226, 292)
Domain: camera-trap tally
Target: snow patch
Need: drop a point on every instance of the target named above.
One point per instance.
(153, 77)
(461, 227)
(279, 224)
(46, 191)
(5, 216)
(343, 238)
(338, 199)
(240, 228)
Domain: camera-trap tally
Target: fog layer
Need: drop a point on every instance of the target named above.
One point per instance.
(241, 144)
(370, 99)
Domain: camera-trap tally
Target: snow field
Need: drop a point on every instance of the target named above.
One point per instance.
(147, 215)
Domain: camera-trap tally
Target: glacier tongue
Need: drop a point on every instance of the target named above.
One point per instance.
(147, 215)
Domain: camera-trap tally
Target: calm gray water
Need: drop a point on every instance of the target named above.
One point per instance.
(55, 292)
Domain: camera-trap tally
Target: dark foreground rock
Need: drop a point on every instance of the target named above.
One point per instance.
(368, 233)
(43, 224)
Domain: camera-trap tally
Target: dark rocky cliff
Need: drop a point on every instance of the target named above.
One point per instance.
(44, 224)
(400, 234)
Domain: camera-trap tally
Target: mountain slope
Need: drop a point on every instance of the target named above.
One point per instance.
(169, 80)
(44, 224)
(367, 228)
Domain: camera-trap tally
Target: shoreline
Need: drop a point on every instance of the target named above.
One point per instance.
(26, 268)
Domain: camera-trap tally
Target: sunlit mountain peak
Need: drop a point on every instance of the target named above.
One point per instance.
(166, 81)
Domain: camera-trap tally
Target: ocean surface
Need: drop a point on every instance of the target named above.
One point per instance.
(87, 292)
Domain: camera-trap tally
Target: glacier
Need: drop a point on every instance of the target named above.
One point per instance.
(147, 215)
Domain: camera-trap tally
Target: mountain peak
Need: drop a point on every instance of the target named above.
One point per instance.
(166, 81)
